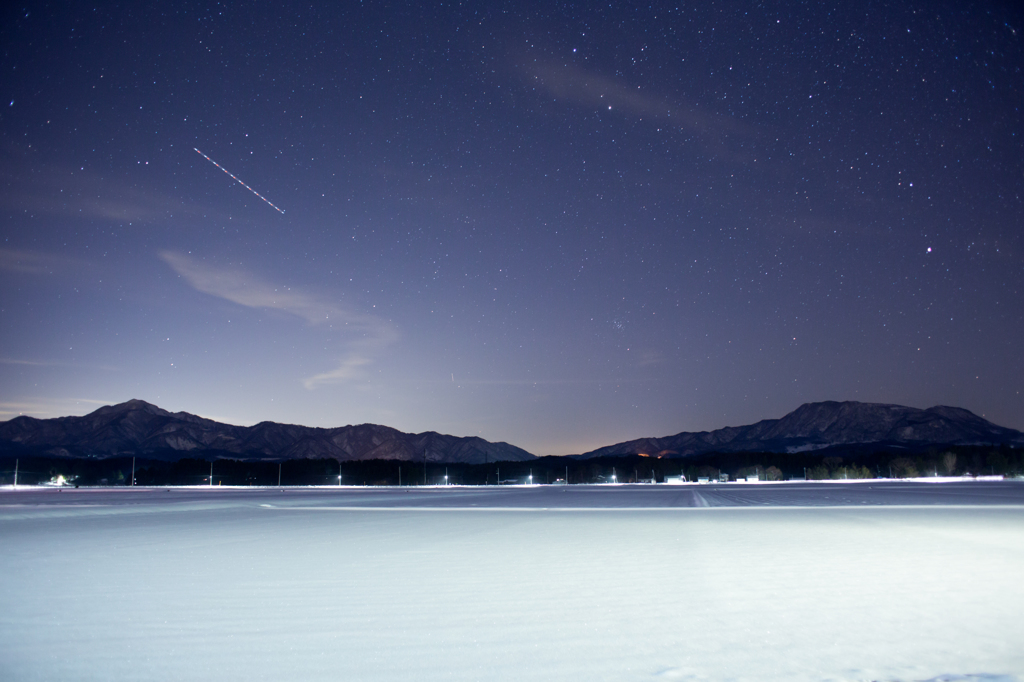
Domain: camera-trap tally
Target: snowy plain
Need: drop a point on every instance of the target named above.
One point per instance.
(879, 581)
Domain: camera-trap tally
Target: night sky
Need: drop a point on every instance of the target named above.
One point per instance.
(558, 225)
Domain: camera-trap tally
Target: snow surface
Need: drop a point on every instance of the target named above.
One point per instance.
(889, 581)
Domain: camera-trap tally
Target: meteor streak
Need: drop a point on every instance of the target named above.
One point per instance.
(237, 180)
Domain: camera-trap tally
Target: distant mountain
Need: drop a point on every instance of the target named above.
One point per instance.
(137, 428)
(814, 426)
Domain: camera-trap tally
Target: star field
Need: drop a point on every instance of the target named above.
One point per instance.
(555, 225)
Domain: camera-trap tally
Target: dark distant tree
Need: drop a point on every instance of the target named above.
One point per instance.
(852, 471)
(818, 473)
(996, 463)
(773, 473)
(949, 462)
(708, 471)
(977, 463)
(832, 463)
(903, 467)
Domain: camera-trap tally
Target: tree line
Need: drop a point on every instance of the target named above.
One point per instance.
(835, 463)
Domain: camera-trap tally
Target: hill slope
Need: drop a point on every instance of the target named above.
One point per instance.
(137, 428)
(826, 424)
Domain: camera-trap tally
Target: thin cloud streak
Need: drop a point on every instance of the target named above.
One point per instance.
(243, 288)
(29, 363)
(528, 382)
(28, 185)
(53, 363)
(346, 370)
(32, 262)
(48, 409)
(367, 334)
(590, 89)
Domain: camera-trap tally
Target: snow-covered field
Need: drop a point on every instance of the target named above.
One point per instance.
(800, 582)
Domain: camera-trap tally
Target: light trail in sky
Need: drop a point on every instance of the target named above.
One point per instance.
(237, 180)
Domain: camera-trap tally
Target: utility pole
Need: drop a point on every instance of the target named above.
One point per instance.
(279, 474)
(16, 473)
(399, 477)
(567, 474)
(211, 473)
(133, 471)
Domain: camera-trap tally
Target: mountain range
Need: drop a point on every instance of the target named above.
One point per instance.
(815, 426)
(137, 428)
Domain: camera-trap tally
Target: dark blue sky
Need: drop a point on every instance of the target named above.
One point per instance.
(556, 225)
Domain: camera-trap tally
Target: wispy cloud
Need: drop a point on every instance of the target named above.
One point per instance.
(456, 381)
(649, 358)
(591, 89)
(347, 369)
(79, 194)
(33, 186)
(47, 409)
(32, 262)
(242, 287)
(49, 363)
(364, 335)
